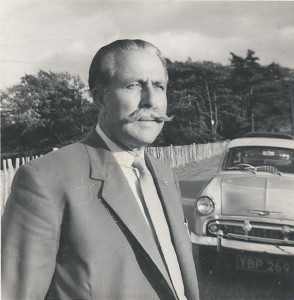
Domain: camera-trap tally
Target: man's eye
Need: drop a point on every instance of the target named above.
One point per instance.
(161, 87)
(134, 86)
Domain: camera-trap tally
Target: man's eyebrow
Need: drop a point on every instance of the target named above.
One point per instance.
(158, 82)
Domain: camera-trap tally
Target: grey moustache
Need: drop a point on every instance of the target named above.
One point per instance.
(148, 114)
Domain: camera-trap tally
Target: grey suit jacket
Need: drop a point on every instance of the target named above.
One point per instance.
(72, 229)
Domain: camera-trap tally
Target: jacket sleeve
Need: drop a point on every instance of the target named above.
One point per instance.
(30, 234)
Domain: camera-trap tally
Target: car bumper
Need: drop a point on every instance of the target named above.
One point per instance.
(220, 243)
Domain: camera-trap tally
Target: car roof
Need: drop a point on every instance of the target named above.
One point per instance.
(270, 135)
(261, 141)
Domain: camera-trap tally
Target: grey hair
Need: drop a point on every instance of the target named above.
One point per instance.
(103, 66)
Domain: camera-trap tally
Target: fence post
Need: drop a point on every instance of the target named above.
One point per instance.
(17, 163)
(10, 166)
(4, 181)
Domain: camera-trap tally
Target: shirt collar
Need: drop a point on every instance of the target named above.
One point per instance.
(124, 158)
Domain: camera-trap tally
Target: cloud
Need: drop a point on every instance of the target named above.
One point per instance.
(65, 35)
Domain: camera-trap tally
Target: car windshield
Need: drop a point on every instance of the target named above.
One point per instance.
(260, 158)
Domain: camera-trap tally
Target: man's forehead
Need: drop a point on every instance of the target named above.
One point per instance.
(139, 63)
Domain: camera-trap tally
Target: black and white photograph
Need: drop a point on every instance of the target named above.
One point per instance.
(147, 150)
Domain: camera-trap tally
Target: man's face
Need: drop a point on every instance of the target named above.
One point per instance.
(139, 81)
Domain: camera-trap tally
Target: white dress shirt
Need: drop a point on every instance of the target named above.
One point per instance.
(125, 160)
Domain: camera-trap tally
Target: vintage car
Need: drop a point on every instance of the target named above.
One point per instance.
(246, 211)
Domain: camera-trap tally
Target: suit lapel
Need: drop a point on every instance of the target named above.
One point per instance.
(169, 197)
(118, 195)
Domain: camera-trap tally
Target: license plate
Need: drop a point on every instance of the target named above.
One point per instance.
(257, 264)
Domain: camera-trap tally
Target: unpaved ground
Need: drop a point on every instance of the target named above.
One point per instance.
(201, 170)
(226, 283)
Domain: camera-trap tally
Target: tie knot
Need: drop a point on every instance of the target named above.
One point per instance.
(139, 164)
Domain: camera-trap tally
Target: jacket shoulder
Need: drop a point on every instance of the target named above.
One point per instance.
(68, 157)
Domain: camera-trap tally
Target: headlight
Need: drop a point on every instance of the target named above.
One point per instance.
(204, 205)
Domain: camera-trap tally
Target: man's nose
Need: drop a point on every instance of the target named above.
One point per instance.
(147, 96)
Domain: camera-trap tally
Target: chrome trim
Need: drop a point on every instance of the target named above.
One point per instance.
(239, 219)
(241, 222)
(258, 239)
(247, 227)
(205, 196)
(263, 212)
(232, 218)
(242, 246)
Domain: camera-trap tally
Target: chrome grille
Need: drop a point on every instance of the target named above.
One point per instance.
(253, 231)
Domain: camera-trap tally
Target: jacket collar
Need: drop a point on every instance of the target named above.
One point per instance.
(98, 153)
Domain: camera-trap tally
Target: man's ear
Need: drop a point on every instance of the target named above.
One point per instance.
(98, 97)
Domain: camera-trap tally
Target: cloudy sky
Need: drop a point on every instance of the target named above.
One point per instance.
(64, 35)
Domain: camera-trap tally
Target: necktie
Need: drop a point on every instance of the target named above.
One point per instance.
(161, 230)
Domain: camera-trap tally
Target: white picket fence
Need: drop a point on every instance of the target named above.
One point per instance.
(172, 155)
(8, 173)
(176, 156)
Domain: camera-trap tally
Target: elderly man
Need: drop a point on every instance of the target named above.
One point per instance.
(101, 219)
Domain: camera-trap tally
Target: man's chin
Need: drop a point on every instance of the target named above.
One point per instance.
(140, 133)
(140, 140)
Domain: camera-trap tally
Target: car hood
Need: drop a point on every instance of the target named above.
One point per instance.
(251, 194)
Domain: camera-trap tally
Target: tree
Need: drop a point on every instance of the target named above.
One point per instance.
(190, 124)
(212, 92)
(47, 109)
(195, 92)
(273, 94)
(246, 74)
